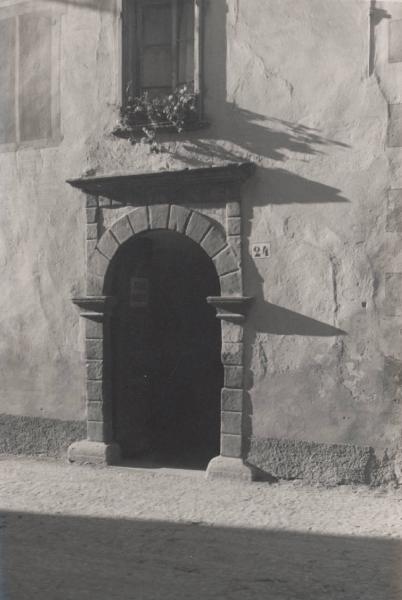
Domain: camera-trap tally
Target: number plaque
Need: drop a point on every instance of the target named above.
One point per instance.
(261, 250)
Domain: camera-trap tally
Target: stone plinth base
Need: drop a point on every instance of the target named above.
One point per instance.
(222, 467)
(93, 453)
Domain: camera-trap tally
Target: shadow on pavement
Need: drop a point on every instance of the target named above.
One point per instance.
(60, 558)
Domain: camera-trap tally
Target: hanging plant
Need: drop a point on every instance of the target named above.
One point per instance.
(144, 115)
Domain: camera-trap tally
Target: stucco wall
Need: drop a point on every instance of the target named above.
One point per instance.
(301, 87)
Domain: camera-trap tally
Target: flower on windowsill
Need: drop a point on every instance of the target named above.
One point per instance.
(143, 115)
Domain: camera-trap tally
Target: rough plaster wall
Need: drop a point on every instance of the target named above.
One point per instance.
(41, 258)
(288, 85)
(317, 372)
(42, 267)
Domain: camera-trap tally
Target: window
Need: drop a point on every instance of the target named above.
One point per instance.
(27, 101)
(160, 51)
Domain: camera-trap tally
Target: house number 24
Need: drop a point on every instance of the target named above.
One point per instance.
(261, 250)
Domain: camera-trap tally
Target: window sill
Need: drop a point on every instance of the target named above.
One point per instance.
(137, 131)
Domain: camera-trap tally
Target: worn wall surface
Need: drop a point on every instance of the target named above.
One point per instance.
(311, 91)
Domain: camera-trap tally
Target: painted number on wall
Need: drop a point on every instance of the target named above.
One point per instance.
(261, 250)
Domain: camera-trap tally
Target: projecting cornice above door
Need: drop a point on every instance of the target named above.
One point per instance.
(138, 188)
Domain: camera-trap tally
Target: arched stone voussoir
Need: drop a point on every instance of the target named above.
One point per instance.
(122, 230)
(225, 261)
(214, 241)
(107, 245)
(139, 219)
(197, 226)
(98, 263)
(178, 218)
(158, 216)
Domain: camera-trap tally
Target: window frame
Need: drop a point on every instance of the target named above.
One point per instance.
(131, 60)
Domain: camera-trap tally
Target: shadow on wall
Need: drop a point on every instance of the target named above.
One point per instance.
(277, 320)
(254, 133)
(75, 558)
(240, 132)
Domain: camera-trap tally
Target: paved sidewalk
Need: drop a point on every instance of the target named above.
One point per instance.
(70, 532)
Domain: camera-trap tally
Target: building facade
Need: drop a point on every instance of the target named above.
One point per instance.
(201, 208)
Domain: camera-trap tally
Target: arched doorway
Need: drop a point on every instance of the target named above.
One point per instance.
(165, 350)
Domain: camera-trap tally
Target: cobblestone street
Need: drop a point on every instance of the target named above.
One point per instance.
(73, 532)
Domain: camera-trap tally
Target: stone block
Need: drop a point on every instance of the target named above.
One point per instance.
(159, 215)
(91, 245)
(94, 453)
(98, 264)
(395, 41)
(94, 284)
(394, 211)
(91, 201)
(232, 332)
(104, 202)
(232, 353)
(197, 227)
(234, 377)
(99, 431)
(232, 469)
(235, 244)
(94, 390)
(231, 422)
(394, 139)
(108, 245)
(178, 219)
(94, 349)
(92, 231)
(93, 330)
(231, 284)
(393, 294)
(214, 242)
(233, 209)
(92, 214)
(139, 219)
(231, 400)
(225, 262)
(95, 411)
(122, 230)
(94, 369)
(231, 445)
(234, 226)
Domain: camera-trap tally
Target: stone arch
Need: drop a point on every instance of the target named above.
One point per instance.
(98, 305)
(199, 228)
